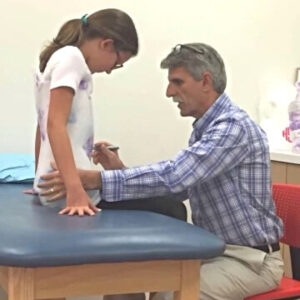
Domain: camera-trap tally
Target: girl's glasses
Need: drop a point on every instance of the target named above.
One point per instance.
(116, 65)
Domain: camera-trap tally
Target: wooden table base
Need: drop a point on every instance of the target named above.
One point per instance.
(180, 276)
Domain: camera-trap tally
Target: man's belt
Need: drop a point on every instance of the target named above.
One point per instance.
(267, 248)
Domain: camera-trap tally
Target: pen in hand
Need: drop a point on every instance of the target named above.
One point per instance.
(111, 147)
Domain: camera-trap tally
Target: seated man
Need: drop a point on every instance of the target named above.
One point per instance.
(224, 171)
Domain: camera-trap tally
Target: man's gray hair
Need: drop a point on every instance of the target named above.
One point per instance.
(197, 58)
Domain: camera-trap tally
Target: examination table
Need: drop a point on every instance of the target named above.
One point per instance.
(44, 255)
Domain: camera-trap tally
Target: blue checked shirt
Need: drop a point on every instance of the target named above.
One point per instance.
(225, 172)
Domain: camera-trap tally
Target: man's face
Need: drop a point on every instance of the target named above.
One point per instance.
(187, 92)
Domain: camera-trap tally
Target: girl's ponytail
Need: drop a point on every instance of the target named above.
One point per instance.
(71, 33)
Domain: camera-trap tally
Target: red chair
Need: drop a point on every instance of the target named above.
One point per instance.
(287, 200)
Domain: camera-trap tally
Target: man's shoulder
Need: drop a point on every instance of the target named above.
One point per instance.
(225, 110)
(236, 117)
(234, 113)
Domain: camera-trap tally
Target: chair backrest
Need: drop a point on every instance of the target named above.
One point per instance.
(287, 201)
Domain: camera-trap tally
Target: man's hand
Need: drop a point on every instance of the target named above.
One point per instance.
(53, 186)
(109, 159)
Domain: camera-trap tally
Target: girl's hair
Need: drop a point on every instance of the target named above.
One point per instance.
(107, 23)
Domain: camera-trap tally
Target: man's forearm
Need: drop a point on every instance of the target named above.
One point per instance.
(91, 179)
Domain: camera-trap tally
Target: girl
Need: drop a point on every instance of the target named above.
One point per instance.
(101, 42)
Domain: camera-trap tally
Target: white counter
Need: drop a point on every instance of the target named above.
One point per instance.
(285, 156)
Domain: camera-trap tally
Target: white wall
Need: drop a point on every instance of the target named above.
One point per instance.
(258, 39)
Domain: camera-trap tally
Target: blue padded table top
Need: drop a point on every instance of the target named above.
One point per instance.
(34, 236)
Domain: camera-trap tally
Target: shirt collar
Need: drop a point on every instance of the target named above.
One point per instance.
(222, 102)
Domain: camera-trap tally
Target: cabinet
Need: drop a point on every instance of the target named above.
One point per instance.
(285, 172)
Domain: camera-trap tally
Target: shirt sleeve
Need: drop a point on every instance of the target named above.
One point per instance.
(68, 69)
(221, 148)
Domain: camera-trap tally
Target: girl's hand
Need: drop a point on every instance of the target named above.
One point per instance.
(109, 159)
(78, 203)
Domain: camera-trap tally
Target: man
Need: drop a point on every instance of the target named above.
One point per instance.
(225, 172)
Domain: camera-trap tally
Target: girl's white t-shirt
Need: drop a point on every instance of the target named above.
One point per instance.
(66, 68)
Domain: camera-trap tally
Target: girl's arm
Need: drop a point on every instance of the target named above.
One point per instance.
(37, 145)
(77, 200)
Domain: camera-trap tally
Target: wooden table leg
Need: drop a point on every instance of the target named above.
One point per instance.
(190, 281)
(20, 283)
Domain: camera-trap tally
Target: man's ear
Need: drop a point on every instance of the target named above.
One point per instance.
(207, 81)
(107, 44)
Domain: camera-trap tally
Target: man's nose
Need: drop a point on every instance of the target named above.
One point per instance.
(170, 91)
